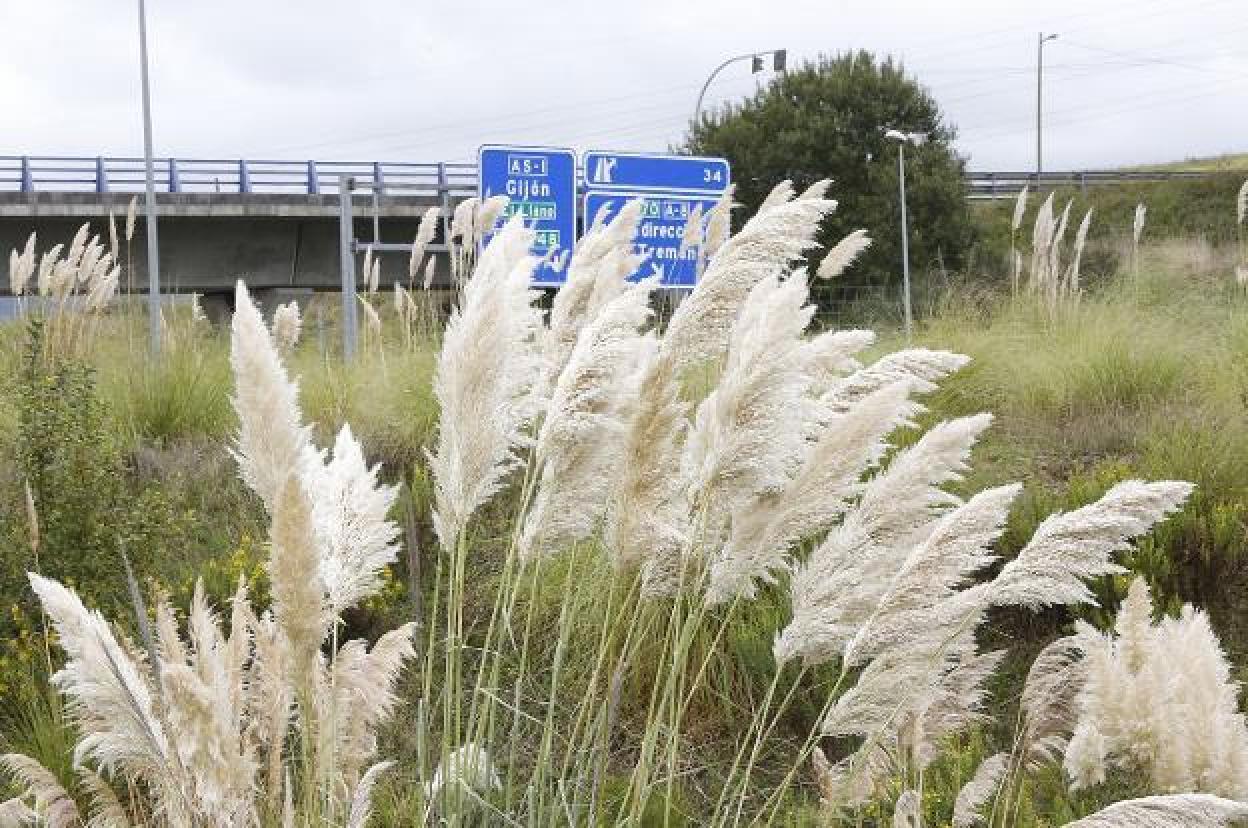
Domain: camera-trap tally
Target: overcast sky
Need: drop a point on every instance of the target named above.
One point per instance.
(1126, 82)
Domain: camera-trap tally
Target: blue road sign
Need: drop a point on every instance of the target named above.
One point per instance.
(541, 183)
(637, 172)
(663, 220)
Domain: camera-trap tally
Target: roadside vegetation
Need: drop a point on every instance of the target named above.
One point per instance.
(726, 569)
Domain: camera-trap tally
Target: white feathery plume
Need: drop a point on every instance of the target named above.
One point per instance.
(15, 813)
(840, 584)
(1055, 249)
(287, 325)
(959, 547)
(1241, 275)
(462, 219)
(430, 270)
(425, 231)
(371, 319)
(843, 254)
(1048, 700)
(981, 788)
(468, 765)
(749, 434)
(46, 278)
(114, 246)
(699, 329)
(131, 214)
(647, 518)
(580, 443)
(1241, 204)
(484, 381)
(298, 591)
(597, 272)
(918, 366)
(78, 245)
(1081, 239)
(1067, 548)
(205, 710)
(782, 193)
(104, 288)
(813, 499)
(271, 437)
(271, 449)
(853, 781)
(906, 704)
(110, 699)
(22, 267)
(362, 799)
(831, 356)
(692, 235)
(1160, 699)
(349, 509)
(17, 275)
(719, 223)
(1187, 810)
(908, 810)
(52, 803)
(354, 696)
(1020, 209)
(1041, 243)
(366, 270)
(1137, 226)
(954, 706)
(487, 216)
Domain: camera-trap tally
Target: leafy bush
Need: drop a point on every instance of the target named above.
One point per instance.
(826, 120)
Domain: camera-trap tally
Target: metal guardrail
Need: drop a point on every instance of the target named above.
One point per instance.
(994, 184)
(28, 173)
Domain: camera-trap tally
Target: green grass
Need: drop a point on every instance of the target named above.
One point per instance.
(1144, 378)
(1231, 162)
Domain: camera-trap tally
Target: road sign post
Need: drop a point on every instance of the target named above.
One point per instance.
(540, 183)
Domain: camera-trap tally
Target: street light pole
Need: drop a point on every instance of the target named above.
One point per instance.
(903, 138)
(1042, 39)
(149, 205)
(905, 237)
(779, 59)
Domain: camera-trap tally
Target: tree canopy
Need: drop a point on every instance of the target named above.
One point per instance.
(827, 119)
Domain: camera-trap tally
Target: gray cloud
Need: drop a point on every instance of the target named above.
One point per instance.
(1128, 82)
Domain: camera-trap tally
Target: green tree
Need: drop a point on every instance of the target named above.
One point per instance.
(826, 120)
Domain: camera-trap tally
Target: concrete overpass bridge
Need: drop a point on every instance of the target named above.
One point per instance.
(275, 223)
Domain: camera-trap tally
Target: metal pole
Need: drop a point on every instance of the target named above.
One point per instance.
(1039, 110)
(1042, 38)
(149, 204)
(905, 237)
(346, 242)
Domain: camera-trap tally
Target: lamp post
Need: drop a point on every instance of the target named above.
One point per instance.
(149, 204)
(1042, 39)
(903, 138)
(779, 60)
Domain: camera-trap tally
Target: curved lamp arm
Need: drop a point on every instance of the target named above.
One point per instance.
(697, 112)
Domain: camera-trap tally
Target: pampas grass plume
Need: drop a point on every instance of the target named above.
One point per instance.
(287, 325)
(1188, 810)
(843, 254)
(1020, 209)
(131, 215)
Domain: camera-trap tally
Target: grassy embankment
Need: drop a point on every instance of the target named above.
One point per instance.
(1144, 378)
